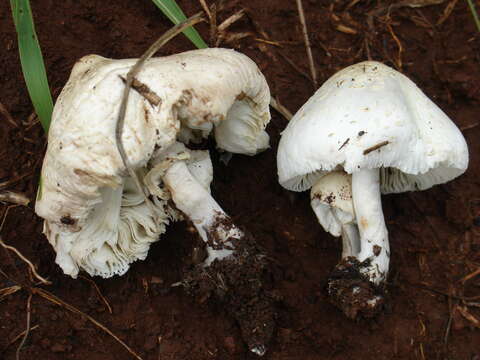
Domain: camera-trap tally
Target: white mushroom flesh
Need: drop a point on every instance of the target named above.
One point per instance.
(371, 224)
(212, 223)
(184, 96)
(331, 200)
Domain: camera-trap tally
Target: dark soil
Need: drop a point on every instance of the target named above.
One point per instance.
(431, 311)
(240, 284)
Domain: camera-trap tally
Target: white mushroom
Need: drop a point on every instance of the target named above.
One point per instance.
(375, 124)
(95, 218)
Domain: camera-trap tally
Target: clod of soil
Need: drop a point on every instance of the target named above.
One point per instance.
(240, 283)
(350, 291)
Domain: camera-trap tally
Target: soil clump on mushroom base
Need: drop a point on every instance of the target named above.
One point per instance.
(240, 283)
(352, 292)
(435, 237)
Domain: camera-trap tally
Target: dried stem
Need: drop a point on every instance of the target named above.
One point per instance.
(307, 43)
(177, 29)
(28, 262)
(274, 103)
(52, 298)
(471, 5)
(14, 198)
(206, 9)
(6, 114)
(100, 295)
(27, 330)
(9, 291)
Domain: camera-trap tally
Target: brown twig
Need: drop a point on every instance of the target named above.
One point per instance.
(446, 13)
(28, 262)
(206, 9)
(470, 276)
(19, 336)
(307, 43)
(222, 28)
(274, 103)
(231, 20)
(469, 127)
(468, 316)
(9, 291)
(100, 295)
(6, 184)
(52, 298)
(399, 45)
(375, 147)
(439, 292)
(294, 66)
(132, 73)
(14, 198)
(6, 114)
(27, 330)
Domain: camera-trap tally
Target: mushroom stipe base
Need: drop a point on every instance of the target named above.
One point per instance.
(352, 292)
(241, 284)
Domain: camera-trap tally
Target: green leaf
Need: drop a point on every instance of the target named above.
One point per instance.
(31, 59)
(471, 5)
(176, 15)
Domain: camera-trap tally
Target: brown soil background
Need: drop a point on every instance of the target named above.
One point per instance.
(434, 240)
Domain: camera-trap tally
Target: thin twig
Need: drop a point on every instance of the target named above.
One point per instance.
(28, 262)
(177, 29)
(375, 147)
(274, 103)
(98, 292)
(6, 114)
(294, 66)
(19, 336)
(307, 43)
(468, 127)
(14, 198)
(5, 184)
(9, 291)
(399, 45)
(471, 5)
(206, 9)
(230, 20)
(27, 330)
(470, 276)
(52, 298)
(456, 297)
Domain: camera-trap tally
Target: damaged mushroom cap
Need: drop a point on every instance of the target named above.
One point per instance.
(331, 200)
(83, 178)
(370, 116)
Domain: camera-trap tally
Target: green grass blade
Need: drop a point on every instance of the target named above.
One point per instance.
(31, 59)
(176, 15)
(471, 5)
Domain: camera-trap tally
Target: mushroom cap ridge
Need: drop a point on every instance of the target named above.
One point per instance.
(370, 116)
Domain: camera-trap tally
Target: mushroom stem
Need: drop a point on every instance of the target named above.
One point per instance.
(237, 277)
(213, 225)
(371, 224)
(350, 240)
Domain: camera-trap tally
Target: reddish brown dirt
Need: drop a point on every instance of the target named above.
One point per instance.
(435, 234)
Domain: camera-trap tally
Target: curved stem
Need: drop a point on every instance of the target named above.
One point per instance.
(213, 225)
(371, 224)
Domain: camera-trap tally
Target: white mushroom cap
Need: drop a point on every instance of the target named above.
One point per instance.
(83, 170)
(363, 107)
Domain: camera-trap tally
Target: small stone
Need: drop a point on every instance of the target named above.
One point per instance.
(156, 280)
(45, 343)
(58, 348)
(229, 343)
(150, 342)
